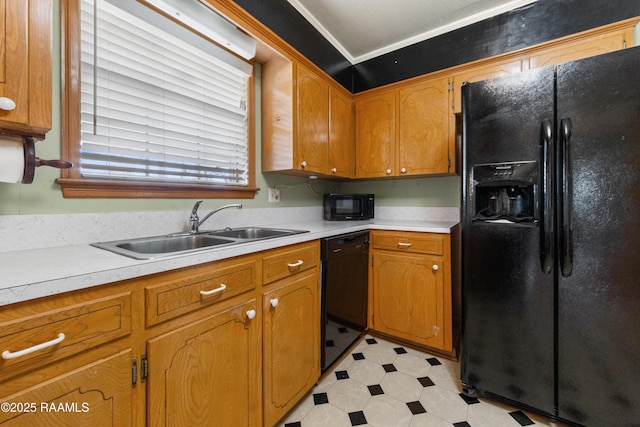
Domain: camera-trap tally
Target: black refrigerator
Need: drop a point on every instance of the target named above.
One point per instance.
(551, 240)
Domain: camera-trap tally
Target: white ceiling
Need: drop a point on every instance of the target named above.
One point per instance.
(364, 29)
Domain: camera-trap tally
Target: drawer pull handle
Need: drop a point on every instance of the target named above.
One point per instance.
(274, 302)
(251, 314)
(404, 245)
(214, 291)
(435, 267)
(6, 355)
(296, 264)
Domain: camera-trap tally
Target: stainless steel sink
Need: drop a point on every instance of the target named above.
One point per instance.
(254, 233)
(163, 246)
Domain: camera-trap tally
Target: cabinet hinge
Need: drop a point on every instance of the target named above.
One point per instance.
(371, 260)
(624, 44)
(144, 367)
(134, 372)
(449, 163)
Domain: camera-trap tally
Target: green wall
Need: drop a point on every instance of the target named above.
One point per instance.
(43, 196)
(419, 192)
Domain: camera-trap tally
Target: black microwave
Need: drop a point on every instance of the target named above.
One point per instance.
(347, 207)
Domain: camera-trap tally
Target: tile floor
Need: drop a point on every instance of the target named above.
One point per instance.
(384, 384)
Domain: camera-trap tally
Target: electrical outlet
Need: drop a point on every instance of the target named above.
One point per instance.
(274, 195)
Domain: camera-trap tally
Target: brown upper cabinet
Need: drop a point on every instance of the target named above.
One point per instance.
(481, 72)
(411, 128)
(589, 43)
(423, 147)
(616, 37)
(25, 66)
(404, 131)
(307, 122)
(375, 135)
(342, 148)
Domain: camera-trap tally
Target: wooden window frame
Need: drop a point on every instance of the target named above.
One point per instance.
(72, 183)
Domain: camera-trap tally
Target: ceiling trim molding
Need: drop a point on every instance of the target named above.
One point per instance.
(472, 19)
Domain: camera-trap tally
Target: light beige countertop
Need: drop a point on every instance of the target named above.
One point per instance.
(35, 273)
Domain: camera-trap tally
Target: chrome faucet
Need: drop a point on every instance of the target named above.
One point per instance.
(195, 222)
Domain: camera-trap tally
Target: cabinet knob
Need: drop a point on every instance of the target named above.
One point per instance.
(435, 267)
(7, 104)
(388, 171)
(251, 314)
(274, 302)
(403, 170)
(303, 164)
(334, 170)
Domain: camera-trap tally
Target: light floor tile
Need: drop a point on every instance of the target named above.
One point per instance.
(401, 386)
(385, 411)
(413, 364)
(428, 420)
(366, 372)
(444, 404)
(349, 395)
(326, 415)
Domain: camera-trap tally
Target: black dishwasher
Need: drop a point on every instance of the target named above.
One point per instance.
(344, 293)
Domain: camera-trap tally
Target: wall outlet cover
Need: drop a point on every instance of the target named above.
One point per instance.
(274, 195)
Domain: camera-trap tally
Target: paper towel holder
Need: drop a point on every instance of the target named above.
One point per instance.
(31, 161)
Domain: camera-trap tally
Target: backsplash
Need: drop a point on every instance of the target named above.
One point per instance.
(22, 232)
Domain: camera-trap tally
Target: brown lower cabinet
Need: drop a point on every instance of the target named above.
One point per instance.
(291, 343)
(207, 373)
(414, 288)
(179, 348)
(95, 394)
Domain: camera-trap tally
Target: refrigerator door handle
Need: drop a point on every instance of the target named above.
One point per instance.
(546, 207)
(564, 202)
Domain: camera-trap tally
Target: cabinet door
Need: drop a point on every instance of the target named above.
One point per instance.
(25, 64)
(423, 144)
(375, 135)
(98, 394)
(583, 48)
(277, 115)
(291, 344)
(206, 373)
(312, 122)
(342, 156)
(409, 297)
(477, 74)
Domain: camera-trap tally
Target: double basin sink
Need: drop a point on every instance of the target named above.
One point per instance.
(175, 244)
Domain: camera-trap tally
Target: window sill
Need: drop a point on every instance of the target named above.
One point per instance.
(85, 188)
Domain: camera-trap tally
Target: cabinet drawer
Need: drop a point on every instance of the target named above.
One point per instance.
(286, 262)
(187, 291)
(423, 243)
(45, 337)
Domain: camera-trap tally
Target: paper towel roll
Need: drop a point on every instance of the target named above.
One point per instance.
(11, 160)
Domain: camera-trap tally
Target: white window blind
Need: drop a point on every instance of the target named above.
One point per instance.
(159, 103)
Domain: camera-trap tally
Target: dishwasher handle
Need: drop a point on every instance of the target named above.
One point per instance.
(344, 245)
